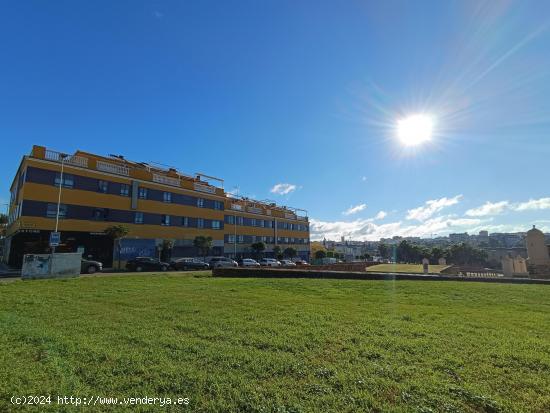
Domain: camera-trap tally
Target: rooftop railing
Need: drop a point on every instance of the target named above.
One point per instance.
(69, 159)
(167, 180)
(112, 168)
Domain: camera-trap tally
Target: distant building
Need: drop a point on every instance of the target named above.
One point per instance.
(456, 238)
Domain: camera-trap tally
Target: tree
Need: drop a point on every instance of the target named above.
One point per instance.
(465, 254)
(383, 250)
(290, 252)
(277, 252)
(203, 244)
(166, 249)
(320, 254)
(116, 233)
(435, 254)
(258, 248)
(3, 224)
(315, 246)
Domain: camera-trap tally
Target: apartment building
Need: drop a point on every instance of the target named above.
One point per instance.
(156, 204)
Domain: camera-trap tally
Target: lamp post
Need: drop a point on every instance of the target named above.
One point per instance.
(62, 156)
(235, 239)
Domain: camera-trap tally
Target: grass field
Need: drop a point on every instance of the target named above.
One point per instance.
(277, 345)
(410, 268)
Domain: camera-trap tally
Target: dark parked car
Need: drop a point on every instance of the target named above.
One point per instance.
(183, 264)
(90, 266)
(146, 264)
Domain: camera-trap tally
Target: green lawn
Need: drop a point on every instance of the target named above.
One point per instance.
(411, 268)
(278, 345)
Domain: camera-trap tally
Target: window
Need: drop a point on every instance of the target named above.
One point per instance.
(51, 211)
(103, 186)
(269, 224)
(185, 221)
(253, 222)
(240, 221)
(138, 218)
(230, 219)
(200, 223)
(167, 196)
(216, 224)
(218, 205)
(142, 193)
(200, 202)
(99, 214)
(165, 220)
(240, 239)
(261, 223)
(231, 239)
(68, 180)
(124, 190)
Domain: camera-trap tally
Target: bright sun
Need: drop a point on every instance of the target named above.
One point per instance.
(415, 129)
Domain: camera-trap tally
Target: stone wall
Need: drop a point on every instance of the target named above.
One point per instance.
(263, 272)
(343, 266)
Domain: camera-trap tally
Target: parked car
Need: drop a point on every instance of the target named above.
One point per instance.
(90, 266)
(301, 262)
(249, 262)
(269, 262)
(146, 264)
(287, 263)
(218, 262)
(183, 264)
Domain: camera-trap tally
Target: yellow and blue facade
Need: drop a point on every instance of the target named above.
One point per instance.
(154, 203)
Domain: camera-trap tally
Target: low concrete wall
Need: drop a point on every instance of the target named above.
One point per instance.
(352, 266)
(348, 275)
(62, 265)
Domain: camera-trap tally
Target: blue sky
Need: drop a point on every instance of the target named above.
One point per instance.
(305, 94)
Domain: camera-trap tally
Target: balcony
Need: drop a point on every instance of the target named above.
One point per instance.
(167, 180)
(69, 159)
(112, 168)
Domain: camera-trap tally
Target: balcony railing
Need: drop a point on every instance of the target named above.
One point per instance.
(69, 159)
(205, 188)
(113, 168)
(161, 179)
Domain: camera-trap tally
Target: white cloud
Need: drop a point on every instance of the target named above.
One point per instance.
(381, 215)
(366, 229)
(431, 207)
(542, 203)
(487, 209)
(283, 189)
(354, 209)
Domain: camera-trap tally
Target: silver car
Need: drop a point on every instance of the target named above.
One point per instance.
(269, 262)
(219, 262)
(249, 262)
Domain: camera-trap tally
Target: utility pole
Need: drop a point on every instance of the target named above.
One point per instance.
(62, 156)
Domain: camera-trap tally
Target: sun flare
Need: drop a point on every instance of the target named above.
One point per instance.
(415, 129)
